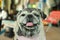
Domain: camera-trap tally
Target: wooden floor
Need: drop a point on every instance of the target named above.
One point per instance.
(52, 34)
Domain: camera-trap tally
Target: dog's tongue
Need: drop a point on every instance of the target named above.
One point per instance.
(30, 24)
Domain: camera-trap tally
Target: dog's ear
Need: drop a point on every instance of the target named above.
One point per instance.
(43, 15)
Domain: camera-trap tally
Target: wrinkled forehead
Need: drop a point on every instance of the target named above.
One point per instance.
(30, 11)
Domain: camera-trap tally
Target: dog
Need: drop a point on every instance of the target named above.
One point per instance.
(29, 23)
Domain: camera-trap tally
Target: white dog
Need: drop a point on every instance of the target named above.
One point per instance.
(29, 25)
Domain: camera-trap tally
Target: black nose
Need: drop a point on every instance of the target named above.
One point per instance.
(30, 16)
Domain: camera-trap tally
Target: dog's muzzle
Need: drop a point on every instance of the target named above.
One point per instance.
(29, 23)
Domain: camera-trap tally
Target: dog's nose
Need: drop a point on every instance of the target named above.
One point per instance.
(30, 16)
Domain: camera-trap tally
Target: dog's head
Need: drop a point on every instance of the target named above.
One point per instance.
(29, 20)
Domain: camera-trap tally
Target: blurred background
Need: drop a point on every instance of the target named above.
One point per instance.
(50, 7)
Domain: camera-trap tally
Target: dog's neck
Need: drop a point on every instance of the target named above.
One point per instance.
(35, 37)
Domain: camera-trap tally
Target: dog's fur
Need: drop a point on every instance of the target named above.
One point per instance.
(26, 16)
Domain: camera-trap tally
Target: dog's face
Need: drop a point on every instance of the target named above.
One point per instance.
(29, 21)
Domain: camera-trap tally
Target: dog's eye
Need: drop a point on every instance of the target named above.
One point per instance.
(36, 15)
(23, 15)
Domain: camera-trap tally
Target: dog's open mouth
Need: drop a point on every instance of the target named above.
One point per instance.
(29, 25)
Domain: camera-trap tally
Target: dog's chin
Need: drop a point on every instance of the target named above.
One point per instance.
(30, 29)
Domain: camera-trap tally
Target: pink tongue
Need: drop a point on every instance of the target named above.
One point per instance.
(29, 24)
